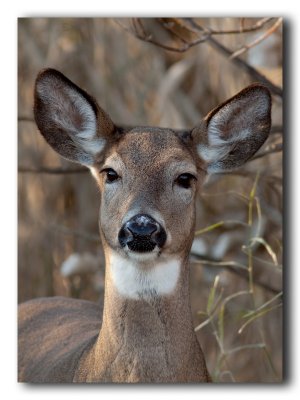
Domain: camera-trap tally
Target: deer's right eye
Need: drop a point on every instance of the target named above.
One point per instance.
(111, 175)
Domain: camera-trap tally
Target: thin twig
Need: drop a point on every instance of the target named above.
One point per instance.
(149, 39)
(219, 224)
(54, 171)
(170, 27)
(233, 264)
(25, 118)
(246, 346)
(262, 313)
(272, 148)
(276, 90)
(237, 61)
(238, 271)
(267, 303)
(206, 36)
(276, 129)
(258, 40)
(258, 25)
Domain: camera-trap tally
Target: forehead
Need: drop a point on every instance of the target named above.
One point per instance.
(152, 146)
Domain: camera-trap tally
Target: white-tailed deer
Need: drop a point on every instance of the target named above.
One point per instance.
(148, 178)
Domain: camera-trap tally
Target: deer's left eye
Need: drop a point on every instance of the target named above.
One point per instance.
(111, 175)
(185, 180)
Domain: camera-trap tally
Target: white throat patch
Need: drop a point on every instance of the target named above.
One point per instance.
(135, 282)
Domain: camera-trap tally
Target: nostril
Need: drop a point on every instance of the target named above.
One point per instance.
(160, 237)
(124, 235)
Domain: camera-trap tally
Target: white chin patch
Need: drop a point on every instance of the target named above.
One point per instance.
(142, 277)
(142, 257)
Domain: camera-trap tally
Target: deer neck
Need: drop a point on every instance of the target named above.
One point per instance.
(139, 297)
(147, 332)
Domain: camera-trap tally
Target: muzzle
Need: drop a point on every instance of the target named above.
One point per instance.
(142, 234)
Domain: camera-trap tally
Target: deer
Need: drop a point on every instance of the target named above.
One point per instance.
(149, 178)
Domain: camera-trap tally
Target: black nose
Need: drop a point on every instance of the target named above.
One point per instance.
(142, 234)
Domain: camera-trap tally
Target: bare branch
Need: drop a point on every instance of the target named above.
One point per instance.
(276, 90)
(149, 39)
(276, 129)
(54, 171)
(170, 27)
(237, 61)
(269, 286)
(258, 40)
(25, 118)
(206, 36)
(259, 24)
(273, 148)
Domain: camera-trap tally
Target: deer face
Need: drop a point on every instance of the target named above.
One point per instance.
(148, 177)
(148, 182)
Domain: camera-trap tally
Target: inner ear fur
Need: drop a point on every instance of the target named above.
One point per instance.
(235, 130)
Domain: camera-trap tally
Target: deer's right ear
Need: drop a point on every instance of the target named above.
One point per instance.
(69, 119)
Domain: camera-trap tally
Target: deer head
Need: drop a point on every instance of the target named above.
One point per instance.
(148, 177)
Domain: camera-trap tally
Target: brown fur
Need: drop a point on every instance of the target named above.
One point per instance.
(149, 339)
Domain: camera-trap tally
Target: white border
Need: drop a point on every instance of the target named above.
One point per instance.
(8, 98)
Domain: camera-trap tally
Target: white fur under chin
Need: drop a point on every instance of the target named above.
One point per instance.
(135, 281)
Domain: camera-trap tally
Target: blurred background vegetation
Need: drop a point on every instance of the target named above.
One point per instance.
(164, 72)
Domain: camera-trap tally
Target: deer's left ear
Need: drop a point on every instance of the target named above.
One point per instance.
(233, 132)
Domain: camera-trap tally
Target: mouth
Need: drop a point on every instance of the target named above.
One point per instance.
(142, 256)
(144, 245)
(141, 250)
